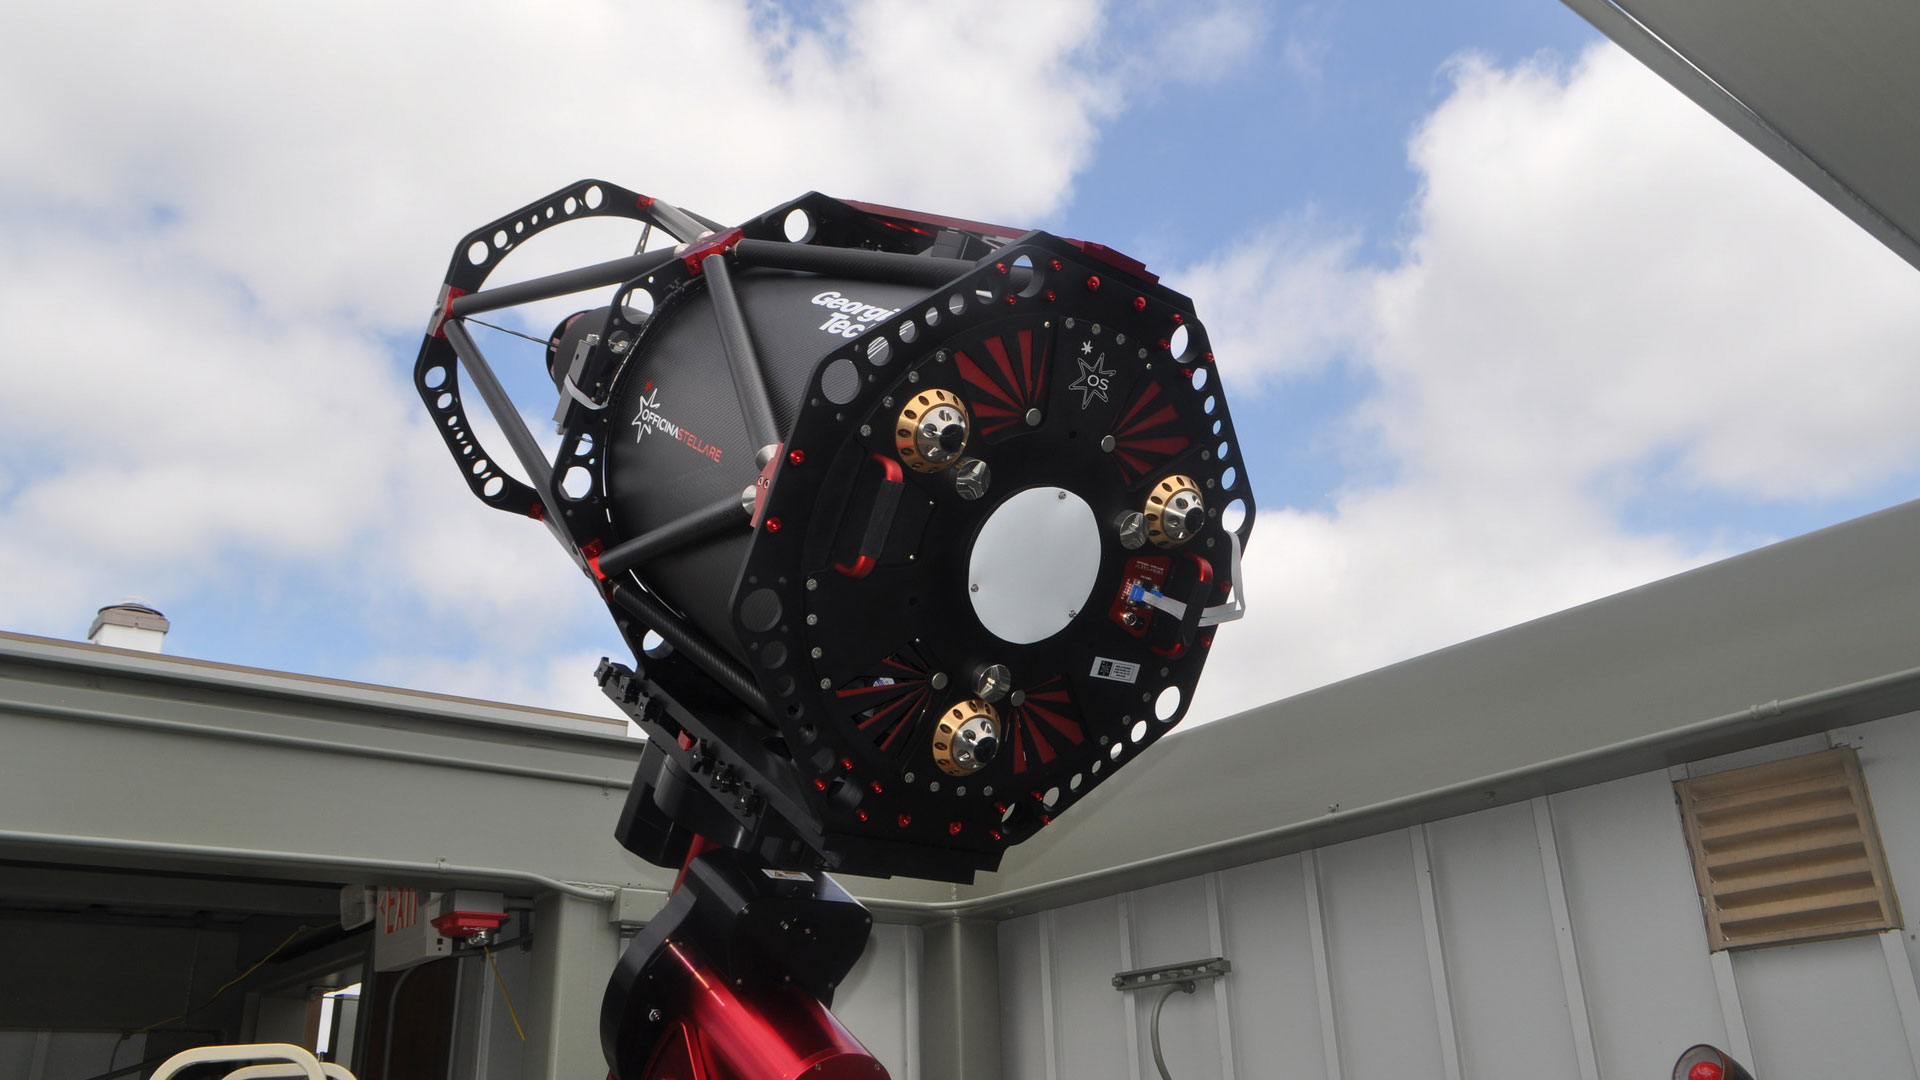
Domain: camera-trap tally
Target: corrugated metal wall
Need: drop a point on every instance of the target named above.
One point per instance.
(1560, 937)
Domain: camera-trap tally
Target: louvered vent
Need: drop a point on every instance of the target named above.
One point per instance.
(1787, 851)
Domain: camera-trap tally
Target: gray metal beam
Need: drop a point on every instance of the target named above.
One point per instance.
(574, 950)
(960, 1000)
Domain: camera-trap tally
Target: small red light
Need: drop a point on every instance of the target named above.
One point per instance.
(1038, 797)
(1706, 1070)
(796, 457)
(846, 764)
(773, 525)
(906, 820)
(1001, 807)
(1177, 320)
(1209, 358)
(1002, 267)
(819, 785)
(1046, 819)
(875, 786)
(994, 833)
(1093, 283)
(1049, 295)
(1165, 346)
(1012, 299)
(1139, 303)
(953, 828)
(861, 814)
(1055, 264)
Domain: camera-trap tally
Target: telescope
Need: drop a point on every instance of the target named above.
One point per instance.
(918, 529)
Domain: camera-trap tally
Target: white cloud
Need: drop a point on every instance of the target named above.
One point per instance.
(1602, 285)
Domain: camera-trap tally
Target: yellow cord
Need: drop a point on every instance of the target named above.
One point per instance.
(503, 993)
(230, 982)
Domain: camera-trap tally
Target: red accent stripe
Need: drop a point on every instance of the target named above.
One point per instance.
(1026, 365)
(1039, 741)
(1164, 415)
(1152, 391)
(1059, 723)
(971, 372)
(998, 350)
(1166, 446)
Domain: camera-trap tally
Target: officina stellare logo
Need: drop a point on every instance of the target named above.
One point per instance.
(1094, 379)
(648, 417)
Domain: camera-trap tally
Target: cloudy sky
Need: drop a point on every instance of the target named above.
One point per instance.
(1522, 325)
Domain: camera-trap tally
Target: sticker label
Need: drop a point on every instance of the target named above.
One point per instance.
(1116, 670)
(850, 317)
(788, 875)
(647, 417)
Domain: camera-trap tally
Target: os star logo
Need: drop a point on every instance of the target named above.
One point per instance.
(1095, 379)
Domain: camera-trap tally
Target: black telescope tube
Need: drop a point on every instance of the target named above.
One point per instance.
(612, 272)
(850, 262)
(725, 670)
(749, 382)
(702, 523)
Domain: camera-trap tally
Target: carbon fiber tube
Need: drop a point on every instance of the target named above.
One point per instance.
(612, 272)
(851, 262)
(702, 523)
(749, 380)
(724, 669)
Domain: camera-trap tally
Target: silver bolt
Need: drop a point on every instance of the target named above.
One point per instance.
(1107, 444)
(765, 454)
(1068, 324)
(812, 619)
(1119, 339)
(866, 430)
(971, 477)
(812, 584)
(912, 377)
(653, 1015)
(816, 652)
(990, 681)
(1033, 417)
(1016, 699)
(826, 684)
(975, 587)
(1132, 527)
(939, 680)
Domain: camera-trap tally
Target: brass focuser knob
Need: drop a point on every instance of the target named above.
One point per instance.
(966, 738)
(931, 432)
(1174, 511)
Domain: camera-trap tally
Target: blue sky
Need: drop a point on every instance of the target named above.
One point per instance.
(1521, 327)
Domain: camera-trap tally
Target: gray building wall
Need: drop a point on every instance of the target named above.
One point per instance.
(1556, 937)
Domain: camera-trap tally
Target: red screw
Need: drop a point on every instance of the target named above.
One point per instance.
(1000, 806)
(861, 814)
(1164, 344)
(819, 785)
(1002, 267)
(773, 525)
(1093, 284)
(875, 786)
(1139, 303)
(953, 829)
(1209, 358)
(846, 764)
(1038, 797)
(1177, 320)
(1046, 819)
(1049, 295)
(1012, 299)
(906, 820)
(1055, 264)
(994, 833)
(796, 457)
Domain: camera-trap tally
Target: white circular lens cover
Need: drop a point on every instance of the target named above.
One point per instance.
(1033, 564)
